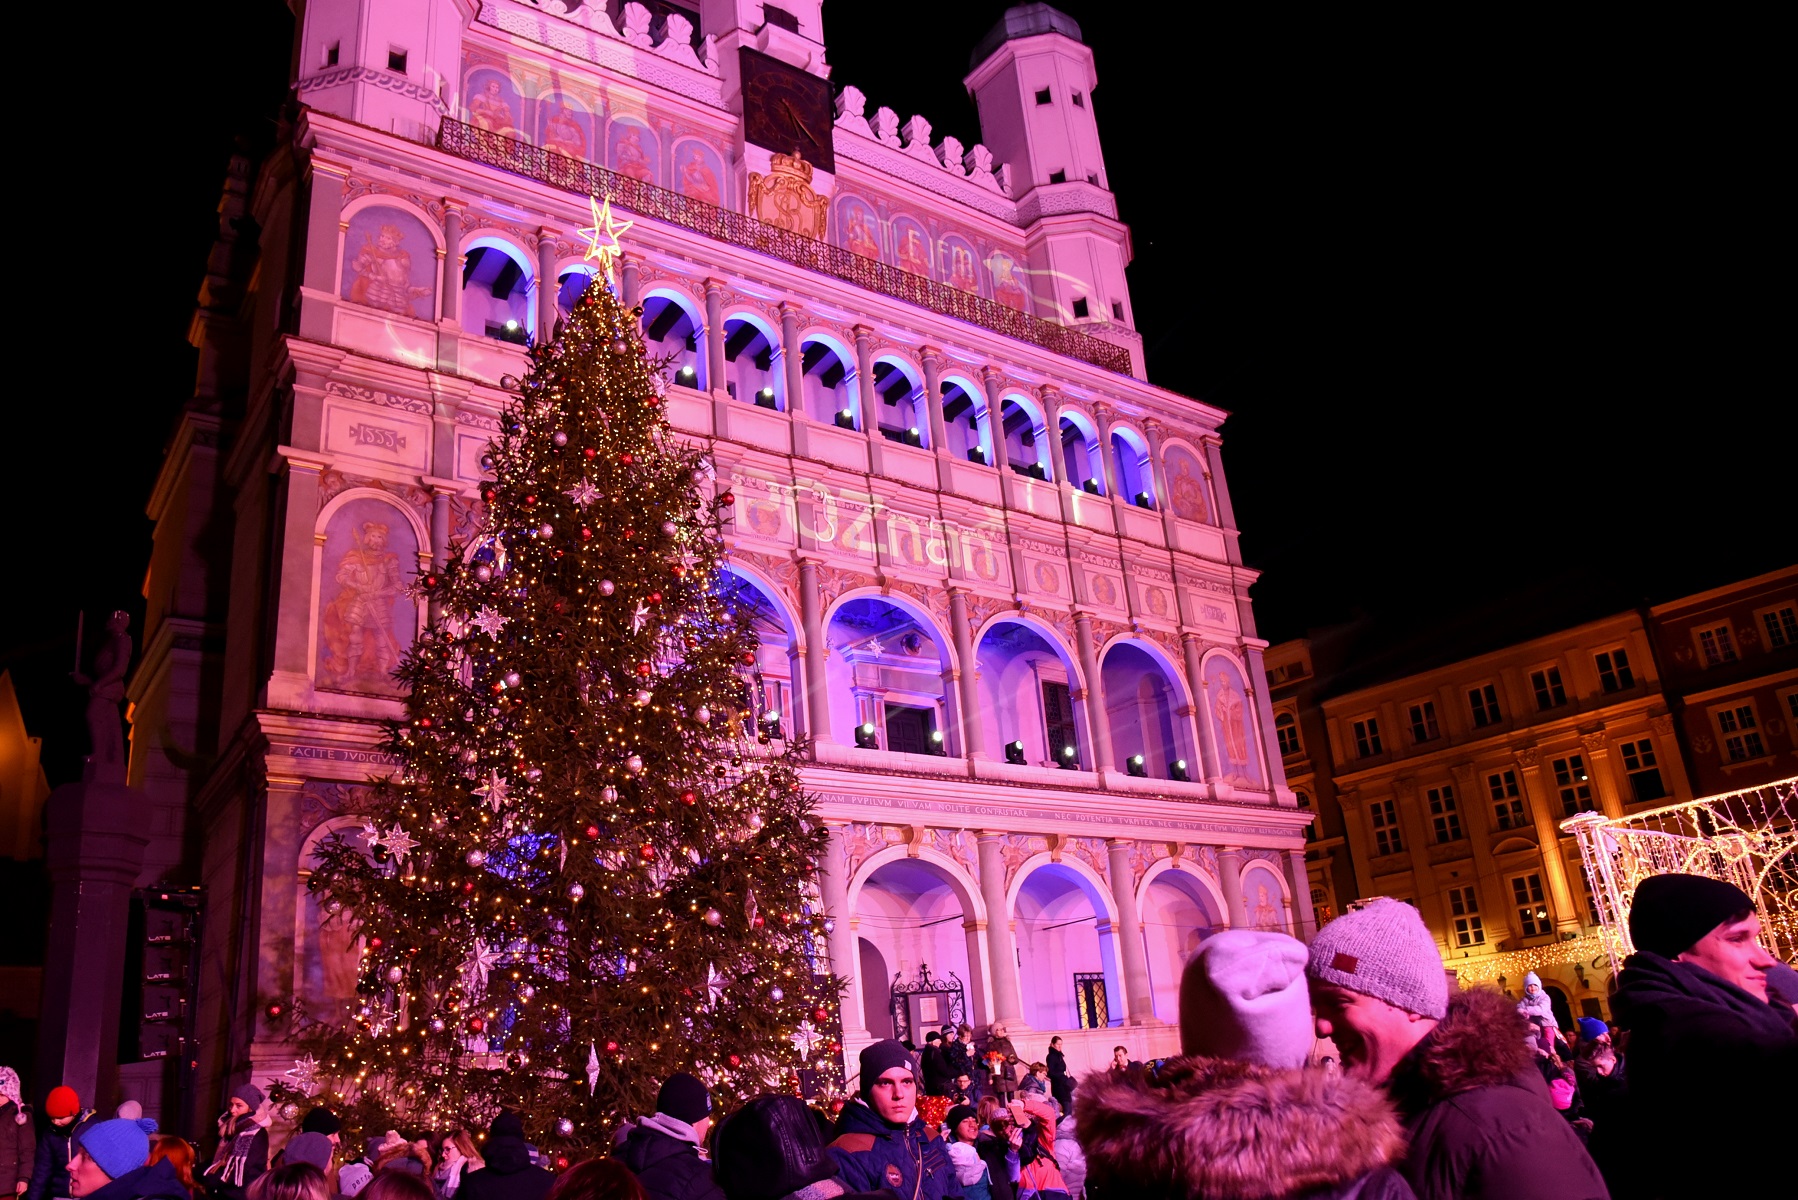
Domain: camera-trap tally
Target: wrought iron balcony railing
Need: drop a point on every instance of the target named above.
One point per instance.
(645, 199)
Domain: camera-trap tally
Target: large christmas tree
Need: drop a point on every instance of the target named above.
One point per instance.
(589, 872)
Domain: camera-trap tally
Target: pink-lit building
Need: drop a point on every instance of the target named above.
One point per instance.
(996, 570)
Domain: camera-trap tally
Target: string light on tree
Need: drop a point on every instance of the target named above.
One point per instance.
(585, 879)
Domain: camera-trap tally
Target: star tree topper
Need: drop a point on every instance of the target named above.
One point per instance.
(602, 237)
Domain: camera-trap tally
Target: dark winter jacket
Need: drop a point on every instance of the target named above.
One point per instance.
(18, 1145)
(1478, 1114)
(508, 1174)
(50, 1174)
(1005, 1081)
(1061, 1084)
(995, 1152)
(874, 1155)
(958, 1060)
(1216, 1129)
(157, 1181)
(937, 1079)
(241, 1159)
(1702, 1050)
(667, 1164)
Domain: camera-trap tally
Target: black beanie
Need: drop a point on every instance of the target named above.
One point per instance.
(1670, 913)
(770, 1147)
(881, 1057)
(957, 1115)
(684, 1098)
(321, 1120)
(506, 1124)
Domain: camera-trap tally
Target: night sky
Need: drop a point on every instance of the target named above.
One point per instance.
(1493, 303)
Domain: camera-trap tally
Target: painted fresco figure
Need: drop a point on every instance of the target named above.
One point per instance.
(1232, 728)
(1267, 917)
(487, 109)
(911, 253)
(562, 135)
(696, 179)
(861, 240)
(961, 270)
(383, 269)
(630, 157)
(358, 624)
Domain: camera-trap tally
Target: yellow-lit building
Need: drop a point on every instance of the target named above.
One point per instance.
(1452, 784)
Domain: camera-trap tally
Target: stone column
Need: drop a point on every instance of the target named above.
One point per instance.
(325, 231)
(1602, 767)
(296, 502)
(972, 731)
(1262, 705)
(932, 358)
(811, 615)
(547, 285)
(630, 272)
(1195, 677)
(789, 354)
(452, 261)
(867, 410)
(1001, 954)
(1158, 472)
(1139, 999)
(1229, 874)
(1298, 878)
(440, 534)
(1548, 838)
(1226, 514)
(1108, 462)
(1098, 718)
(714, 338)
(994, 380)
(96, 844)
(845, 962)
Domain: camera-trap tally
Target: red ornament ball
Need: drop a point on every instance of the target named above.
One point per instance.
(727, 497)
(749, 658)
(820, 1013)
(757, 921)
(590, 452)
(647, 851)
(655, 597)
(586, 534)
(688, 798)
(467, 887)
(476, 1024)
(644, 668)
(611, 1047)
(274, 1010)
(592, 832)
(626, 459)
(375, 943)
(561, 1162)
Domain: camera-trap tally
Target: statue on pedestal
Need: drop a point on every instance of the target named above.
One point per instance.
(105, 689)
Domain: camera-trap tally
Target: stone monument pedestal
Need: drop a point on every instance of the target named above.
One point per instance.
(97, 837)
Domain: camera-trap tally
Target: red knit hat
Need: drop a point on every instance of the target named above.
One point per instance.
(61, 1102)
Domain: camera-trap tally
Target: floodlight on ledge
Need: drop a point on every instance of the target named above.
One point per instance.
(1177, 770)
(1014, 753)
(1135, 766)
(864, 737)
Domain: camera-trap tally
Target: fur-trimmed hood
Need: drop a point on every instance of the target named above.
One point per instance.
(1230, 1130)
(1482, 1041)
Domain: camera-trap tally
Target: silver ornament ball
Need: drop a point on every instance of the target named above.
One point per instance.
(559, 438)
(776, 995)
(476, 857)
(547, 530)
(713, 917)
(668, 527)
(576, 891)
(634, 763)
(609, 795)
(607, 587)
(394, 974)
(483, 572)
(703, 715)
(564, 1128)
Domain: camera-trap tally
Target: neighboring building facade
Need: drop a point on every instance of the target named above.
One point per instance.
(1452, 784)
(1296, 681)
(1729, 659)
(996, 572)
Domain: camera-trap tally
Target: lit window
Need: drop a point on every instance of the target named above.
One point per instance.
(1286, 729)
(1716, 645)
(1781, 625)
(1367, 737)
(1574, 784)
(1444, 815)
(1644, 774)
(1423, 722)
(1464, 903)
(1384, 818)
(1741, 735)
(1532, 907)
(1484, 703)
(1549, 692)
(1614, 674)
(1507, 805)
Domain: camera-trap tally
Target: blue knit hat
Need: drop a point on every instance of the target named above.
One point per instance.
(1591, 1028)
(118, 1146)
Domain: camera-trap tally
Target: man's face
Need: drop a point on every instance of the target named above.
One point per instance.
(962, 1081)
(85, 1175)
(1372, 1034)
(1121, 1057)
(894, 1096)
(949, 1036)
(1732, 951)
(968, 1128)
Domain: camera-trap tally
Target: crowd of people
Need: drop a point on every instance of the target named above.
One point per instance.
(1348, 1068)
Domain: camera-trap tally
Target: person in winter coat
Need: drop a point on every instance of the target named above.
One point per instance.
(1536, 1001)
(50, 1170)
(1476, 1111)
(110, 1164)
(18, 1140)
(1241, 1114)
(508, 1174)
(773, 1149)
(1706, 1049)
(1061, 1084)
(323, 1121)
(880, 1140)
(999, 1061)
(957, 1058)
(663, 1150)
(936, 1071)
(180, 1155)
(986, 1168)
(1039, 1174)
(459, 1159)
(242, 1154)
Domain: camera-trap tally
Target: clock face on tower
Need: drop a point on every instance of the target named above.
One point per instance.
(787, 110)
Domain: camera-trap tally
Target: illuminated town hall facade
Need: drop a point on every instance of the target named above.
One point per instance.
(996, 571)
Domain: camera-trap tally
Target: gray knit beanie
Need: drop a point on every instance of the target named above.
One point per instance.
(1383, 950)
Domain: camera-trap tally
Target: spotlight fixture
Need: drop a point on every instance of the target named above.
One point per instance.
(1014, 752)
(937, 745)
(1177, 770)
(864, 737)
(1136, 767)
(1070, 758)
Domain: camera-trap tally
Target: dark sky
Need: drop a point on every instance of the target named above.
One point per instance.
(1493, 303)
